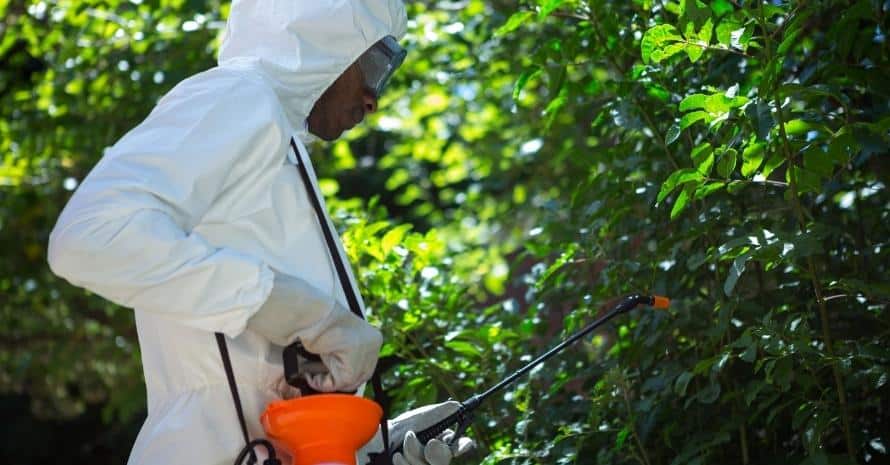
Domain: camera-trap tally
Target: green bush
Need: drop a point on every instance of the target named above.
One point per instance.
(532, 163)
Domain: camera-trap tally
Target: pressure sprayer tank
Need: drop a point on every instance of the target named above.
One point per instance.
(324, 429)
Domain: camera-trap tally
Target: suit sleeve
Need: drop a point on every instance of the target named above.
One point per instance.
(126, 232)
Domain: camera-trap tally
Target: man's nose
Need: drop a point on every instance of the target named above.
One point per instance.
(370, 101)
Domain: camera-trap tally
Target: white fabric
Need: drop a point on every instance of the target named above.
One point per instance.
(348, 344)
(185, 217)
(437, 451)
(402, 430)
(276, 319)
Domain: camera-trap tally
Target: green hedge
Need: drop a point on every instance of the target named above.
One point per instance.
(532, 163)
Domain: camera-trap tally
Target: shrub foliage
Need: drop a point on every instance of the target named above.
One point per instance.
(533, 161)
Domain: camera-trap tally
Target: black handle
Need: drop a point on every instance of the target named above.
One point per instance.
(293, 373)
(291, 356)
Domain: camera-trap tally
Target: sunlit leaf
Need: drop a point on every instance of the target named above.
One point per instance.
(752, 158)
(678, 178)
(655, 39)
(515, 20)
(548, 6)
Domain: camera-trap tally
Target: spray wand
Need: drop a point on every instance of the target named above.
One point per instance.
(464, 414)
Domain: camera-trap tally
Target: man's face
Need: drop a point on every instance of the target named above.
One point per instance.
(342, 106)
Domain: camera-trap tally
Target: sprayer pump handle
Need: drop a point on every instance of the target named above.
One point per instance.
(292, 356)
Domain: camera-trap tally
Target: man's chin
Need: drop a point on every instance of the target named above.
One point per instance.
(327, 136)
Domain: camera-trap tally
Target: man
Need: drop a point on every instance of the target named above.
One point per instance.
(199, 221)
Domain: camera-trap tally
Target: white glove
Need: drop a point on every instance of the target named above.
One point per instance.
(348, 345)
(401, 432)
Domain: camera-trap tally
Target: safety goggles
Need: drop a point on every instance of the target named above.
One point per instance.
(379, 62)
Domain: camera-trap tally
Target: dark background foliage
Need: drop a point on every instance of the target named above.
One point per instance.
(533, 162)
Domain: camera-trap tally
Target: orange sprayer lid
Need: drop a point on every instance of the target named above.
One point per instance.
(323, 428)
(661, 302)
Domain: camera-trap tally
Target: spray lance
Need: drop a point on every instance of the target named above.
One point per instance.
(464, 415)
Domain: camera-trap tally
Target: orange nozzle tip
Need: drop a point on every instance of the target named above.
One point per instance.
(660, 302)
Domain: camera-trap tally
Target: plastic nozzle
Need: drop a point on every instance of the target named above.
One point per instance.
(660, 302)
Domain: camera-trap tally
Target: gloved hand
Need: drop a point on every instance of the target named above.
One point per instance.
(401, 432)
(348, 345)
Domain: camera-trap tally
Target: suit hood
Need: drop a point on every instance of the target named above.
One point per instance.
(301, 46)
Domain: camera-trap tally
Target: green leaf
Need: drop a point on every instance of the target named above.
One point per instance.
(793, 30)
(818, 161)
(394, 237)
(681, 202)
(560, 262)
(655, 39)
(727, 163)
(721, 103)
(555, 105)
(749, 354)
(788, 40)
(735, 272)
(752, 158)
(549, 6)
(693, 101)
(672, 134)
(721, 7)
(515, 20)
(753, 389)
(694, 52)
(703, 158)
(710, 393)
(841, 147)
(658, 92)
(774, 162)
(708, 189)
(693, 12)
(761, 118)
(733, 35)
(797, 127)
(706, 31)
(464, 348)
(696, 260)
(806, 180)
(661, 54)
(690, 118)
(527, 75)
(682, 382)
(621, 437)
(387, 350)
(678, 178)
(783, 373)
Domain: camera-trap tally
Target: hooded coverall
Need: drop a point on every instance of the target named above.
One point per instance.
(186, 216)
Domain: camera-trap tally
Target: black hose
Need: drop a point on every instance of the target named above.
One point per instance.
(271, 460)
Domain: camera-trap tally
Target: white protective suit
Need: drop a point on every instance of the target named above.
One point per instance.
(187, 215)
